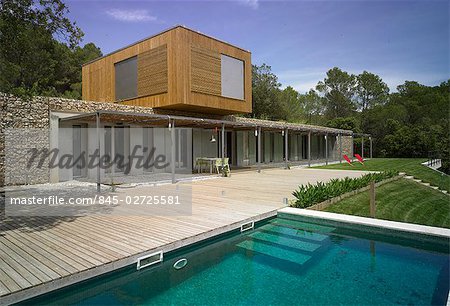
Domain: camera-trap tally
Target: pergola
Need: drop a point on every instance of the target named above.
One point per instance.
(150, 119)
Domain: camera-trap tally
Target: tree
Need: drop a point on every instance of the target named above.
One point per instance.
(348, 123)
(413, 122)
(338, 89)
(370, 91)
(313, 106)
(289, 98)
(266, 93)
(78, 57)
(37, 43)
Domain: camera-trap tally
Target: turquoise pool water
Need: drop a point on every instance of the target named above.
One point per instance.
(281, 262)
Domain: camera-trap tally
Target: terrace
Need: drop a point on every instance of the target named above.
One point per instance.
(40, 254)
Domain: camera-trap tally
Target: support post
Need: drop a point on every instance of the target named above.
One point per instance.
(353, 149)
(286, 148)
(362, 147)
(373, 207)
(370, 141)
(97, 120)
(172, 149)
(113, 155)
(223, 142)
(340, 148)
(309, 149)
(259, 149)
(326, 149)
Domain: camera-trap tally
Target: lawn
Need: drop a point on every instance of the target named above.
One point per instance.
(402, 200)
(411, 166)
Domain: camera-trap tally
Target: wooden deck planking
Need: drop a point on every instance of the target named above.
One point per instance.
(38, 270)
(42, 255)
(41, 261)
(32, 258)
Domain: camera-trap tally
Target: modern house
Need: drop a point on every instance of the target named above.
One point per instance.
(179, 94)
(195, 83)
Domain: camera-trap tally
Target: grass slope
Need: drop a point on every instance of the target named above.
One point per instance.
(402, 200)
(411, 166)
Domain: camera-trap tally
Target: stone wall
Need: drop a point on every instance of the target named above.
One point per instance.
(347, 143)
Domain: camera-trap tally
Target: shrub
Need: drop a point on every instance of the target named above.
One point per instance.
(308, 195)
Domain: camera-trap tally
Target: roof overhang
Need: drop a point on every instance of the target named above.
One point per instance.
(158, 120)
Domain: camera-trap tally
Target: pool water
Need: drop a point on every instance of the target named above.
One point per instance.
(281, 262)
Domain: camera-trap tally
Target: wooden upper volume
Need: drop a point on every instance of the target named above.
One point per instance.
(177, 69)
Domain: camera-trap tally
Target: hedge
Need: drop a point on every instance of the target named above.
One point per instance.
(308, 195)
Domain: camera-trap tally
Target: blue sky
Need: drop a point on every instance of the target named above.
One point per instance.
(398, 40)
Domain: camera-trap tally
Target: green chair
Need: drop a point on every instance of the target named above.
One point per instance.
(218, 164)
(223, 165)
(199, 163)
(226, 164)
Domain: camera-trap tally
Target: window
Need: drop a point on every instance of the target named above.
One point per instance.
(126, 78)
(232, 74)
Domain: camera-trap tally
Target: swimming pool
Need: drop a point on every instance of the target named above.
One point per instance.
(283, 261)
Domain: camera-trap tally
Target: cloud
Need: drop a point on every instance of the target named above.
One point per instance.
(301, 80)
(131, 15)
(254, 4)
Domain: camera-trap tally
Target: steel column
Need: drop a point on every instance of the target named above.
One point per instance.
(370, 140)
(172, 148)
(362, 147)
(286, 148)
(223, 142)
(340, 148)
(97, 119)
(309, 149)
(259, 149)
(353, 148)
(326, 149)
(113, 152)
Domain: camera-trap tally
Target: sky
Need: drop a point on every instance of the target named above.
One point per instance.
(301, 40)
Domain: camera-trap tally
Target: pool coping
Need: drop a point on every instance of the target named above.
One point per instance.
(392, 225)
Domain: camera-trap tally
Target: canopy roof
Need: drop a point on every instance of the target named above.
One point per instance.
(237, 123)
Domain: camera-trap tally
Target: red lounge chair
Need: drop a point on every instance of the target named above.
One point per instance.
(348, 159)
(361, 160)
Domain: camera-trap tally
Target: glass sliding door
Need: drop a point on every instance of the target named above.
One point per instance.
(148, 149)
(181, 148)
(121, 147)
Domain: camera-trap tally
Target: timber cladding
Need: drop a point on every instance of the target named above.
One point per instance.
(205, 71)
(152, 71)
(178, 69)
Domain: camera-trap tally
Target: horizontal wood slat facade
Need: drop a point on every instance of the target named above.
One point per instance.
(189, 87)
(153, 71)
(205, 71)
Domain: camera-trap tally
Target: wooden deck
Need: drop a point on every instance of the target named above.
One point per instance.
(39, 254)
